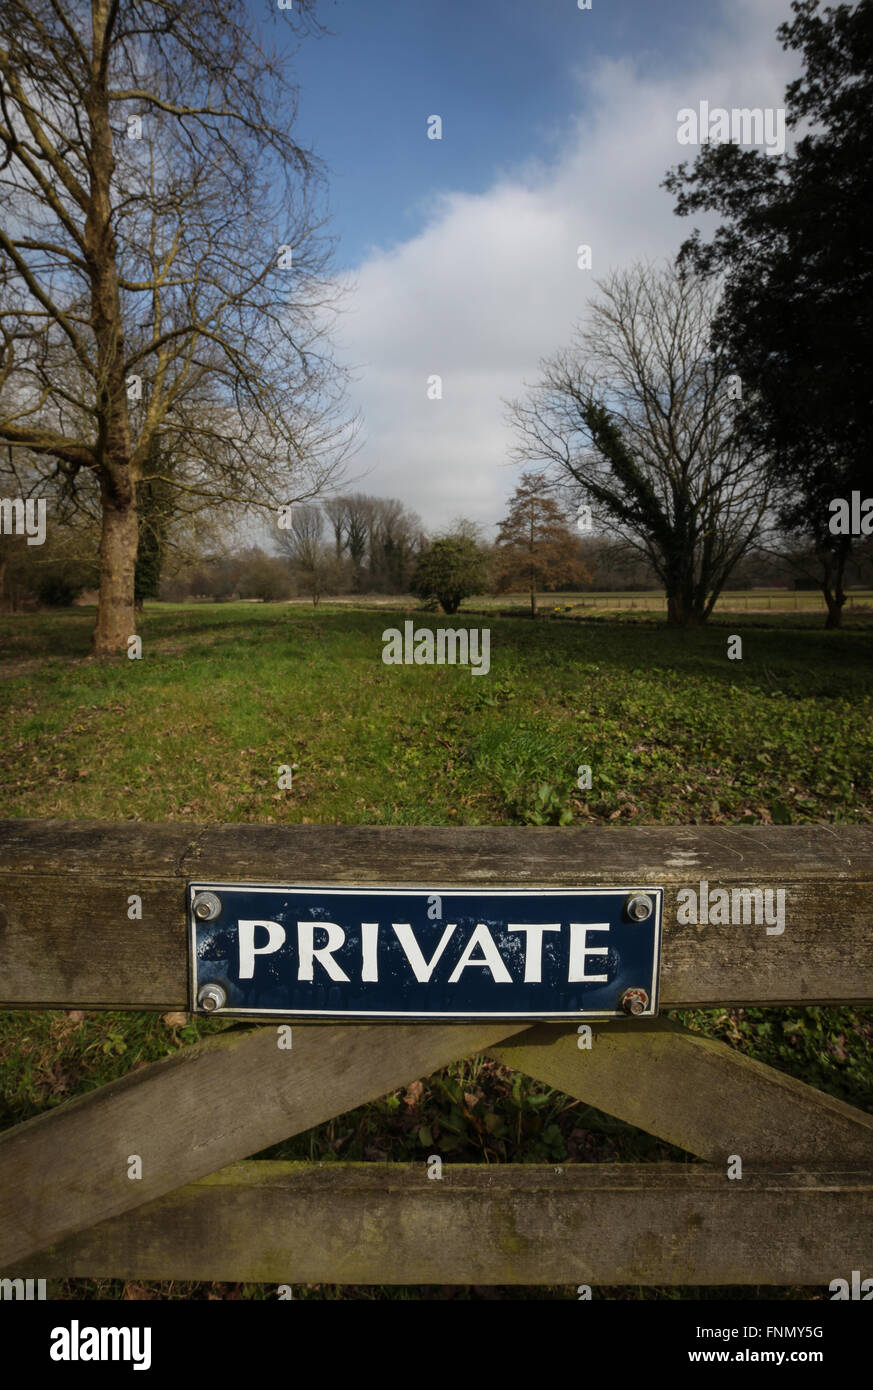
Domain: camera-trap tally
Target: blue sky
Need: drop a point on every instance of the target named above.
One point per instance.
(459, 257)
(503, 74)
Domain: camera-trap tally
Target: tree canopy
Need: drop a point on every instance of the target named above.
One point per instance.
(449, 571)
(535, 547)
(794, 251)
(637, 418)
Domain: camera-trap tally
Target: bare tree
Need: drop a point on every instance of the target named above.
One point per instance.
(313, 562)
(396, 537)
(638, 414)
(463, 526)
(162, 265)
(359, 524)
(64, 557)
(336, 509)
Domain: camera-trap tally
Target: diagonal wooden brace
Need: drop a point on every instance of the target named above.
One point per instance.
(209, 1105)
(695, 1092)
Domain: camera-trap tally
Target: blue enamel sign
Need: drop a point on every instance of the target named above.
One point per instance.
(424, 953)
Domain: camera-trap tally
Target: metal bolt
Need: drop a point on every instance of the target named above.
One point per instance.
(634, 1001)
(211, 997)
(207, 907)
(639, 906)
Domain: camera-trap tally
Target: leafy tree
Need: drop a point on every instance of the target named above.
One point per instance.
(449, 571)
(638, 415)
(535, 546)
(56, 590)
(795, 252)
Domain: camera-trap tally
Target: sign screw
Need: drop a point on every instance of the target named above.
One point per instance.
(206, 907)
(211, 997)
(639, 906)
(634, 1001)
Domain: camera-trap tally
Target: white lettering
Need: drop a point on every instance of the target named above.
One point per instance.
(308, 952)
(579, 949)
(369, 958)
(421, 969)
(490, 958)
(533, 948)
(248, 950)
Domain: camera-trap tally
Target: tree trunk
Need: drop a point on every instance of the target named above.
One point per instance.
(533, 601)
(119, 538)
(832, 588)
(116, 619)
(681, 611)
(835, 603)
(677, 615)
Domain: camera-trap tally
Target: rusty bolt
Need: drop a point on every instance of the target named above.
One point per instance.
(634, 1001)
(211, 997)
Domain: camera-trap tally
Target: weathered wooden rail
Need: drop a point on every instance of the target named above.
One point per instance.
(800, 1214)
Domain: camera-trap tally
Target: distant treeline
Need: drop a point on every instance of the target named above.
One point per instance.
(359, 544)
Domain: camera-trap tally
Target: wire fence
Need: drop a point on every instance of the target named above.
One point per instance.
(810, 602)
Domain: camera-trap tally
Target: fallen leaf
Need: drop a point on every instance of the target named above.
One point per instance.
(412, 1094)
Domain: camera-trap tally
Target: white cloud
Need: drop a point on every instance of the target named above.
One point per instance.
(491, 284)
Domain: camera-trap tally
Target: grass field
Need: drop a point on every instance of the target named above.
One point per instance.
(588, 602)
(674, 733)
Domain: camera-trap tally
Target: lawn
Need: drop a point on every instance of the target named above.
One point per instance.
(674, 733)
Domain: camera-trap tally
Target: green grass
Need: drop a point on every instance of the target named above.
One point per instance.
(674, 732)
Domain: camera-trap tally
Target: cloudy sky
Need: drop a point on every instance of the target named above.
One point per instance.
(558, 125)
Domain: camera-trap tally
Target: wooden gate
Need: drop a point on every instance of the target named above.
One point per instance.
(802, 1213)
